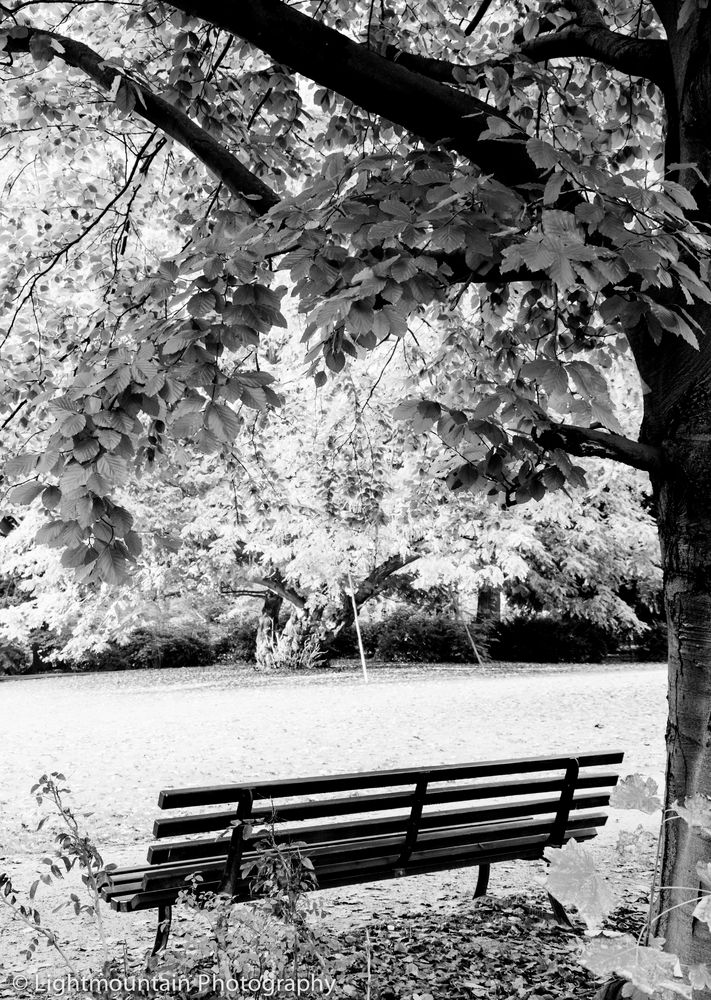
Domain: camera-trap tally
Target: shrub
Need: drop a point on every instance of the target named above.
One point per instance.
(146, 648)
(653, 644)
(542, 639)
(14, 659)
(44, 643)
(344, 644)
(239, 642)
(418, 637)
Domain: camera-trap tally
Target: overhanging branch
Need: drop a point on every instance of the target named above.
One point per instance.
(430, 110)
(161, 113)
(592, 442)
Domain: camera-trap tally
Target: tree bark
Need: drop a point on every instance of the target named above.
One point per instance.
(678, 419)
(685, 533)
(267, 627)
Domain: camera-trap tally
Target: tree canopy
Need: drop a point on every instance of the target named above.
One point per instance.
(530, 181)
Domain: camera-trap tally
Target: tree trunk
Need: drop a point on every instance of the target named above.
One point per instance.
(267, 627)
(678, 417)
(489, 605)
(297, 645)
(685, 534)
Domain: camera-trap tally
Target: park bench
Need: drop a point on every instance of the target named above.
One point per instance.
(380, 824)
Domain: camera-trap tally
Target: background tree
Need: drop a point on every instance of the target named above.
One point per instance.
(531, 179)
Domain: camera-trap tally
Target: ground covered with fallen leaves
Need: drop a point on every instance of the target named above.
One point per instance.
(122, 737)
(492, 948)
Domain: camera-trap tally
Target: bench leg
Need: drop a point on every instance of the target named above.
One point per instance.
(482, 881)
(165, 915)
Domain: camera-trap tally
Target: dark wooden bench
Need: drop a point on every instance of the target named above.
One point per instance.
(493, 811)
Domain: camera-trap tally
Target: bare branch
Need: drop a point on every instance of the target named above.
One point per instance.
(161, 113)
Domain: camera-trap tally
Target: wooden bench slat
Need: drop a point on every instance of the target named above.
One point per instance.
(176, 798)
(183, 825)
(523, 848)
(349, 805)
(477, 837)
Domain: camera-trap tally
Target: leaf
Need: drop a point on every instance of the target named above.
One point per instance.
(702, 910)
(25, 493)
(74, 557)
(549, 374)
(74, 423)
(111, 565)
(542, 153)
(85, 450)
(704, 873)
(202, 304)
(700, 976)
(588, 381)
(574, 880)
(407, 409)
(696, 812)
(110, 466)
(51, 497)
(49, 533)
(636, 792)
(674, 323)
(222, 421)
(21, 465)
(121, 519)
(648, 968)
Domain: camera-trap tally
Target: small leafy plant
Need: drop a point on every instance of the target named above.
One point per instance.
(271, 938)
(639, 966)
(74, 850)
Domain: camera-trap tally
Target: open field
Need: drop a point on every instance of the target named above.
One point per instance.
(121, 737)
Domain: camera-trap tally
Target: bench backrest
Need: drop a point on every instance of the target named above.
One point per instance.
(400, 813)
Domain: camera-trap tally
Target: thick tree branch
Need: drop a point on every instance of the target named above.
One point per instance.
(590, 442)
(426, 108)
(648, 58)
(275, 584)
(375, 580)
(161, 113)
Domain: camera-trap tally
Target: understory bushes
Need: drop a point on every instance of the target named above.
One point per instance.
(406, 635)
(413, 636)
(543, 639)
(144, 648)
(239, 641)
